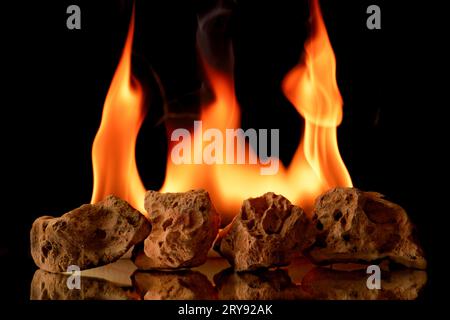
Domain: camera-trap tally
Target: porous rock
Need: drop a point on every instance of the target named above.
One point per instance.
(266, 233)
(350, 225)
(184, 226)
(89, 236)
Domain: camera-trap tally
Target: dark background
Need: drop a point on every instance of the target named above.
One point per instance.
(58, 79)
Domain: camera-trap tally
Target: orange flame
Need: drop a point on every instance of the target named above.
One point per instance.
(317, 165)
(113, 151)
(312, 89)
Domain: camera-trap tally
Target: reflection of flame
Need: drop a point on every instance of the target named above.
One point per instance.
(316, 166)
(113, 151)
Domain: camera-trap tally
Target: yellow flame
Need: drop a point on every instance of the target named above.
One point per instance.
(312, 88)
(316, 166)
(113, 151)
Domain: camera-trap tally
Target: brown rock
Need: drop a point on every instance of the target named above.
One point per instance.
(89, 236)
(259, 285)
(53, 286)
(266, 233)
(327, 284)
(179, 285)
(350, 225)
(184, 226)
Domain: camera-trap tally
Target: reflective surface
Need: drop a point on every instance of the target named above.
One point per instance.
(216, 280)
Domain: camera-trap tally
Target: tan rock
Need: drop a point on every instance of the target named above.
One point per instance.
(89, 236)
(259, 285)
(266, 233)
(327, 284)
(184, 226)
(350, 225)
(178, 285)
(53, 286)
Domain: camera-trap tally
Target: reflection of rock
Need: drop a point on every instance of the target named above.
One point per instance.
(53, 286)
(266, 233)
(298, 268)
(179, 285)
(328, 284)
(350, 225)
(259, 285)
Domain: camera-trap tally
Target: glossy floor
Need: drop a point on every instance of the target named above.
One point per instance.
(216, 280)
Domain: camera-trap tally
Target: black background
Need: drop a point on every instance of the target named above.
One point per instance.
(58, 79)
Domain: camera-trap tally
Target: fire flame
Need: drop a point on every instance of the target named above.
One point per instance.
(316, 166)
(312, 88)
(113, 151)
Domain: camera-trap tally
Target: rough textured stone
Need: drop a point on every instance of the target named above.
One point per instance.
(184, 226)
(259, 285)
(328, 284)
(350, 225)
(266, 233)
(89, 236)
(179, 285)
(53, 286)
